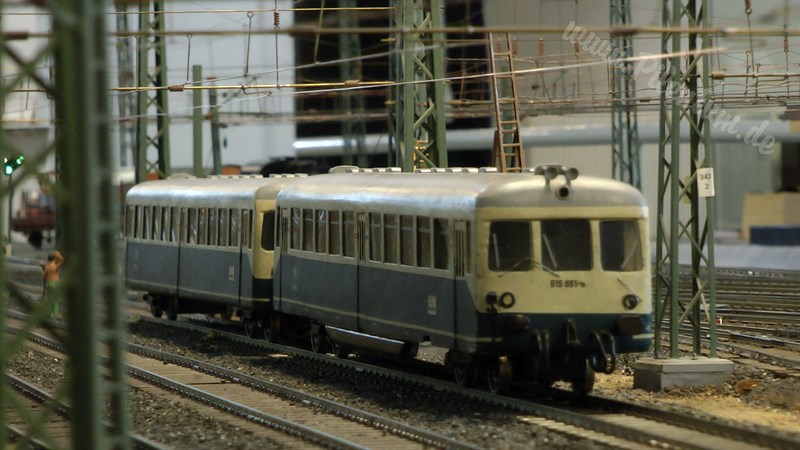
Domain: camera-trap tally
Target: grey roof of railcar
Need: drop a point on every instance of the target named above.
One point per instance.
(463, 191)
(197, 191)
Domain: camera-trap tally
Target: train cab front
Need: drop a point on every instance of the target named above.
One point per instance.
(561, 297)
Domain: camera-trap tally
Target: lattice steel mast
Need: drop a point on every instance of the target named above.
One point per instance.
(419, 131)
(152, 103)
(625, 146)
(678, 183)
(89, 221)
(354, 129)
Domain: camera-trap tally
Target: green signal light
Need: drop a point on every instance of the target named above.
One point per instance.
(10, 166)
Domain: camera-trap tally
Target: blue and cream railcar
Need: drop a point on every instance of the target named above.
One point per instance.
(203, 245)
(534, 276)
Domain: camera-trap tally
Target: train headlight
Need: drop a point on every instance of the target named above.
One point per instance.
(630, 301)
(507, 300)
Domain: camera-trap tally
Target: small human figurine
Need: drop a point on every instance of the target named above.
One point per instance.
(50, 278)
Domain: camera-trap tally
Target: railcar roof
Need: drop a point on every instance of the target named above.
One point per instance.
(189, 189)
(434, 191)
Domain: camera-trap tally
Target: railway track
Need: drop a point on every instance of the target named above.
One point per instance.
(285, 417)
(34, 399)
(604, 421)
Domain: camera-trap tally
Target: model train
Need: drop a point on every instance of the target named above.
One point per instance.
(534, 276)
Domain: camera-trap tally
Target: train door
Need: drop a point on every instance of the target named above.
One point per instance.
(462, 303)
(362, 244)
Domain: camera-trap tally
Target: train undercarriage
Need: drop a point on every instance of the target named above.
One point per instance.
(573, 362)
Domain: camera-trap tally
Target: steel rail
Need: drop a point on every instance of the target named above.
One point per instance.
(63, 410)
(344, 411)
(632, 431)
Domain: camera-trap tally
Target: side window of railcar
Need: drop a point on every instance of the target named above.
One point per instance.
(407, 240)
(146, 222)
(247, 227)
(268, 231)
(296, 224)
(236, 227)
(224, 227)
(156, 223)
(192, 236)
(130, 221)
(441, 251)
(510, 246)
(390, 238)
(184, 232)
(567, 244)
(308, 230)
(334, 232)
(375, 237)
(139, 222)
(202, 226)
(176, 220)
(164, 234)
(462, 248)
(424, 242)
(620, 246)
(349, 247)
(213, 221)
(322, 230)
(153, 221)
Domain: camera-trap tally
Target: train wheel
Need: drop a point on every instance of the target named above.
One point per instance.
(584, 383)
(172, 309)
(498, 375)
(250, 328)
(464, 374)
(339, 350)
(156, 310)
(271, 328)
(409, 350)
(319, 342)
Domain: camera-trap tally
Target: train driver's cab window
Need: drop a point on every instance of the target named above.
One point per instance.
(566, 244)
(510, 246)
(268, 231)
(620, 246)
